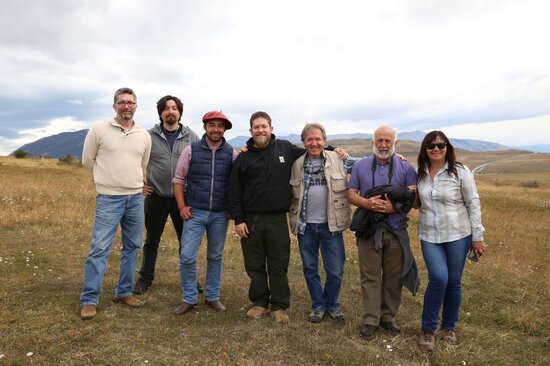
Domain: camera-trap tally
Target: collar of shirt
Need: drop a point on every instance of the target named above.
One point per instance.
(443, 169)
(213, 145)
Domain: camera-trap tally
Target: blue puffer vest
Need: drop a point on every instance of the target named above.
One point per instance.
(208, 178)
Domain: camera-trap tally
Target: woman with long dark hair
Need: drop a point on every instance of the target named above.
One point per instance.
(449, 225)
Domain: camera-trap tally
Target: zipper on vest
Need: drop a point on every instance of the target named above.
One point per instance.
(212, 180)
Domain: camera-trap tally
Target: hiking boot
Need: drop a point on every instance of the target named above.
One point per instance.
(280, 316)
(87, 312)
(141, 287)
(336, 315)
(367, 332)
(130, 301)
(390, 327)
(256, 312)
(448, 335)
(316, 316)
(426, 341)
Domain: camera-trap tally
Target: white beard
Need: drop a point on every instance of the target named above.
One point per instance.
(383, 155)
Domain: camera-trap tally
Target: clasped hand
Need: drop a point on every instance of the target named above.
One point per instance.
(382, 205)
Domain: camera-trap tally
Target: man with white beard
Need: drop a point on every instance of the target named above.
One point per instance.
(381, 261)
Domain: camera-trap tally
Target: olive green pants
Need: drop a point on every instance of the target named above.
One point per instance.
(380, 278)
(266, 254)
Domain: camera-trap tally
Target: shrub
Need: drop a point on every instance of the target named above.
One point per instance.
(21, 154)
(69, 160)
(529, 184)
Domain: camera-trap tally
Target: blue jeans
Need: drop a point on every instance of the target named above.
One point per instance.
(110, 211)
(445, 263)
(215, 225)
(332, 249)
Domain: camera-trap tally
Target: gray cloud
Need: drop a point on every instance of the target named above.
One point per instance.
(352, 64)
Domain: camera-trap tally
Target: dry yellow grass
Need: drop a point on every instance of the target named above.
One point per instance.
(536, 163)
(524, 170)
(46, 217)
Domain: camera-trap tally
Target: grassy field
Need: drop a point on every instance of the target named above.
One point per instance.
(46, 217)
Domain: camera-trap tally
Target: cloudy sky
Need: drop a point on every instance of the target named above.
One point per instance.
(474, 68)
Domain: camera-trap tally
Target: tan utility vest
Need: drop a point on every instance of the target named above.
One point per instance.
(338, 207)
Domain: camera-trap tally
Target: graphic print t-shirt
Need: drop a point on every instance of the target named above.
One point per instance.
(317, 194)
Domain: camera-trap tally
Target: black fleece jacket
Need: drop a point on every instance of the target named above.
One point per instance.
(259, 181)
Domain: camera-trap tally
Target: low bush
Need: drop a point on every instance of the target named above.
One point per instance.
(22, 154)
(69, 160)
(529, 184)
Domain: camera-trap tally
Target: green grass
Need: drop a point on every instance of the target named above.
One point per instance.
(46, 217)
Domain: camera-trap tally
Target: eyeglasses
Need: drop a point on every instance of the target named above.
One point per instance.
(440, 145)
(129, 103)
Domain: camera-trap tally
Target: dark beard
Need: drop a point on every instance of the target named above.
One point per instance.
(264, 141)
(171, 121)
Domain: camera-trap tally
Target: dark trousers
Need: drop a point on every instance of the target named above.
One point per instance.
(266, 254)
(157, 209)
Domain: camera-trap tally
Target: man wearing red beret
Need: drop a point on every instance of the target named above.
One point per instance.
(203, 168)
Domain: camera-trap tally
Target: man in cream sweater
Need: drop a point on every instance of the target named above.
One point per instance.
(116, 152)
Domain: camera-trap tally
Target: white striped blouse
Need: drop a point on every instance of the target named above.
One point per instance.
(450, 207)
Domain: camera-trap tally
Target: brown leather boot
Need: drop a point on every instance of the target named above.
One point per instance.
(184, 308)
(130, 301)
(280, 316)
(256, 312)
(216, 305)
(87, 312)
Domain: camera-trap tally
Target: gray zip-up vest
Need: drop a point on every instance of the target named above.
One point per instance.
(162, 163)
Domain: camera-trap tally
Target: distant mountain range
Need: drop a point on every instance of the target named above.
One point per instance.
(58, 146)
(534, 148)
(418, 136)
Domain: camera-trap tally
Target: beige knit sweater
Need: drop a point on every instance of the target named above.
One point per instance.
(117, 158)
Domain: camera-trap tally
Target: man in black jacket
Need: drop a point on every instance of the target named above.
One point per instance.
(259, 197)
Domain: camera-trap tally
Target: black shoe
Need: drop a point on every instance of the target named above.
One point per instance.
(367, 332)
(200, 289)
(391, 327)
(141, 287)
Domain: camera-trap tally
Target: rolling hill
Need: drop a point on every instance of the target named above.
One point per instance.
(58, 146)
